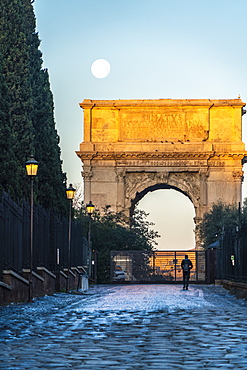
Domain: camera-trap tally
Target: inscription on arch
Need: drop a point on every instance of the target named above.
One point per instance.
(157, 126)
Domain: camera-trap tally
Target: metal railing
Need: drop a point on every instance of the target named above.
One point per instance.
(50, 241)
(231, 254)
(156, 266)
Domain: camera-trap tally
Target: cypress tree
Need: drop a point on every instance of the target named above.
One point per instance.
(7, 162)
(31, 123)
(15, 51)
(51, 179)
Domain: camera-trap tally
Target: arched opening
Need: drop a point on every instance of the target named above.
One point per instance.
(173, 214)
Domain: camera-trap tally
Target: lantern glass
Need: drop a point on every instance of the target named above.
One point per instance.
(90, 208)
(70, 192)
(32, 167)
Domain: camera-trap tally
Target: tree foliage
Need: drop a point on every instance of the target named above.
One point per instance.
(7, 162)
(27, 111)
(221, 216)
(111, 231)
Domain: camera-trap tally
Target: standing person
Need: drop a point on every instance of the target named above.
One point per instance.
(186, 265)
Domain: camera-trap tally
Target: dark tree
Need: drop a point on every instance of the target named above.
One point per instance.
(221, 217)
(110, 231)
(7, 162)
(15, 51)
(31, 110)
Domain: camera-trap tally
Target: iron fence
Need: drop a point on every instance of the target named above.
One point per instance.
(50, 241)
(156, 266)
(231, 254)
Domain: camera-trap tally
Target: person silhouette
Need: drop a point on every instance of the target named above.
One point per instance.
(186, 265)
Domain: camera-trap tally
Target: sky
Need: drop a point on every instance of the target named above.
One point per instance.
(178, 49)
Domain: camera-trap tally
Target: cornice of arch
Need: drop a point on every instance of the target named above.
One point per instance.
(89, 103)
(140, 155)
(159, 155)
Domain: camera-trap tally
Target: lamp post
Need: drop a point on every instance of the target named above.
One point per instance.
(32, 169)
(70, 192)
(90, 209)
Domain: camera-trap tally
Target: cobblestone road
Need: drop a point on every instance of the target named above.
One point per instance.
(127, 327)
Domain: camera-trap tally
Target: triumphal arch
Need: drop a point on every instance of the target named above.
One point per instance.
(132, 147)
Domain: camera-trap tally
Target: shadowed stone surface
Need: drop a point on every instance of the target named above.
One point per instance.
(127, 327)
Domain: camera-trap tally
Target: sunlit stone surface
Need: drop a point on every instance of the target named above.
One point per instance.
(132, 147)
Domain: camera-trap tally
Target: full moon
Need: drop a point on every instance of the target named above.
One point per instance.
(100, 68)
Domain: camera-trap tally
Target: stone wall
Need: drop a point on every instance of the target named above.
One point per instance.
(15, 288)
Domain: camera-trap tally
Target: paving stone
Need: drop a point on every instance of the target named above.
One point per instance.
(127, 327)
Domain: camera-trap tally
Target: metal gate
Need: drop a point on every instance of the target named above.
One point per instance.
(156, 266)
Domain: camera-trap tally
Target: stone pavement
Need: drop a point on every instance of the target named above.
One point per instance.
(127, 327)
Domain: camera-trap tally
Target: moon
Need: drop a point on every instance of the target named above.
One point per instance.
(100, 68)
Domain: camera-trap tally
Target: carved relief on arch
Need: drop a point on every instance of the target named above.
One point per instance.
(87, 175)
(238, 175)
(138, 181)
(188, 183)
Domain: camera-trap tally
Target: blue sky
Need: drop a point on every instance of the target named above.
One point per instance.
(157, 49)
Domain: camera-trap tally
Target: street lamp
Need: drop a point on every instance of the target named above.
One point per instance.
(32, 169)
(90, 209)
(70, 192)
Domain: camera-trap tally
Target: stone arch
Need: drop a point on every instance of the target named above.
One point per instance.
(139, 184)
(193, 146)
